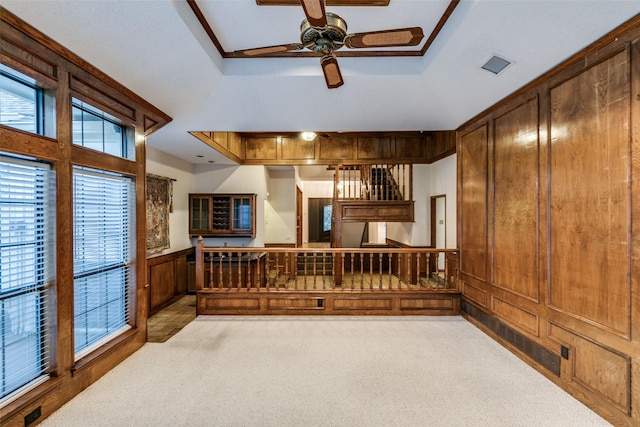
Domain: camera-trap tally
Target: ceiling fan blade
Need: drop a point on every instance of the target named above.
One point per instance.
(267, 50)
(314, 9)
(398, 37)
(331, 71)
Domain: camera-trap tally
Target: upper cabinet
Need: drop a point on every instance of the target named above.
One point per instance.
(222, 215)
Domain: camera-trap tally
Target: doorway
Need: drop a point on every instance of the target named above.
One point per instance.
(298, 217)
(320, 219)
(438, 226)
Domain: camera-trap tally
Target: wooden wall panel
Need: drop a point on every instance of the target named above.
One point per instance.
(635, 206)
(235, 144)
(298, 149)
(222, 139)
(516, 200)
(597, 368)
(474, 293)
(523, 320)
(441, 144)
(564, 248)
(163, 278)
(336, 148)
(261, 148)
(373, 148)
(589, 208)
(411, 147)
(473, 202)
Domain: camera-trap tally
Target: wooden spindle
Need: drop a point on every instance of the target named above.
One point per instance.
(361, 270)
(390, 271)
(324, 269)
(371, 270)
(380, 262)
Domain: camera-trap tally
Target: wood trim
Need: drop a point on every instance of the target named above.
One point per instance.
(340, 53)
(330, 148)
(24, 143)
(55, 68)
(328, 3)
(441, 22)
(161, 258)
(406, 303)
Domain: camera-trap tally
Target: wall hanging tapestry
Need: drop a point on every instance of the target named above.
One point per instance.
(159, 204)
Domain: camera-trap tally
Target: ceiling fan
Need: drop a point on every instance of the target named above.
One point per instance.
(324, 32)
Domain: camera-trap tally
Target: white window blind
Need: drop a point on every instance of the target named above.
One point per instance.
(27, 269)
(104, 244)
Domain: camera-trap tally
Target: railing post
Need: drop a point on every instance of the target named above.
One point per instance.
(199, 264)
(338, 266)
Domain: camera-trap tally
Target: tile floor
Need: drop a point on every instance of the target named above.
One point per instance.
(168, 321)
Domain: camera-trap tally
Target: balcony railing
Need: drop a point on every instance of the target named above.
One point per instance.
(327, 269)
(375, 182)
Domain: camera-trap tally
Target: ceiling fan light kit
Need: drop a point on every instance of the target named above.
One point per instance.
(324, 32)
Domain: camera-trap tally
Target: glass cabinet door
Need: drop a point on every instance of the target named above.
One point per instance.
(199, 213)
(242, 213)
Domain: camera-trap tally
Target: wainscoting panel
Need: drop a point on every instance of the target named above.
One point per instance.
(589, 208)
(516, 201)
(519, 318)
(474, 293)
(472, 173)
(597, 368)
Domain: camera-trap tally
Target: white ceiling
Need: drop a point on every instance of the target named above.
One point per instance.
(159, 50)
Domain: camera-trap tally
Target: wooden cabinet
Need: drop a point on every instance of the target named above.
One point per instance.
(222, 215)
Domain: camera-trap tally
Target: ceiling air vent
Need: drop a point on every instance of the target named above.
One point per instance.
(496, 64)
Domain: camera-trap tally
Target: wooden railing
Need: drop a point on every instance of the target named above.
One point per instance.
(375, 182)
(330, 269)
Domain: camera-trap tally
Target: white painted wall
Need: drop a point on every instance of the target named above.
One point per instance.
(162, 164)
(429, 180)
(234, 179)
(280, 207)
(443, 181)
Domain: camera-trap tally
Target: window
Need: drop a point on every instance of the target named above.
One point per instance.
(104, 244)
(21, 102)
(27, 218)
(100, 131)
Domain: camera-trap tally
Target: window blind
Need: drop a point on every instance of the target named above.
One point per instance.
(27, 271)
(104, 241)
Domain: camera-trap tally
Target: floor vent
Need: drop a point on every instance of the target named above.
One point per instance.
(529, 347)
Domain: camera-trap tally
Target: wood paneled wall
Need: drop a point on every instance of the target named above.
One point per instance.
(64, 76)
(168, 278)
(332, 148)
(549, 223)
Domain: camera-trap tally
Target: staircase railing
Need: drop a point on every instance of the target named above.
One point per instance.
(374, 182)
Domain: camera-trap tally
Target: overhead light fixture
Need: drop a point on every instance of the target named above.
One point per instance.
(308, 136)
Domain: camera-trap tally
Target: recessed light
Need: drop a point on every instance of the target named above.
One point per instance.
(199, 155)
(211, 161)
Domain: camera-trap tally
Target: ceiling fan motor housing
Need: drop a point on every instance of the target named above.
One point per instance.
(326, 39)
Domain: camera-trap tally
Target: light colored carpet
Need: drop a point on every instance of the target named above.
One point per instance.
(325, 371)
